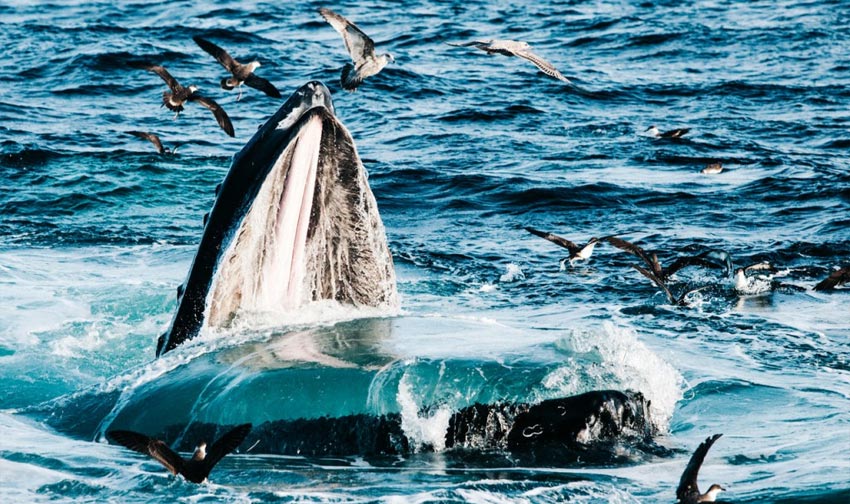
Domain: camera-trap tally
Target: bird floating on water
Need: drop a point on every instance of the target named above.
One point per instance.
(241, 74)
(577, 252)
(179, 95)
(838, 277)
(671, 134)
(514, 48)
(755, 278)
(712, 169)
(154, 139)
(688, 490)
(197, 468)
(360, 47)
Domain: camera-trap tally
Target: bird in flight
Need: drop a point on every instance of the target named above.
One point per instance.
(577, 252)
(154, 139)
(179, 95)
(705, 259)
(360, 47)
(240, 74)
(688, 491)
(195, 469)
(514, 48)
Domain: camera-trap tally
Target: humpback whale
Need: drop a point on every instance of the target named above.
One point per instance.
(294, 221)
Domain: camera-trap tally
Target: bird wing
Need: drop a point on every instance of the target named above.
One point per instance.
(762, 266)
(557, 240)
(676, 133)
(631, 248)
(837, 278)
(358, 44)
(480, 44)
(218, 53)
(218, 112)
(149, 137)
(226, 444)
(263, 85)
(688, 482)
(149, 446)
(162, 72)
(657, 281)
(686, 261)
(542, 64)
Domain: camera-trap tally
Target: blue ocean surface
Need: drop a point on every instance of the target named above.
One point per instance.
(464, 150)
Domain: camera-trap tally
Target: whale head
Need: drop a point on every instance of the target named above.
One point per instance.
(294, 221)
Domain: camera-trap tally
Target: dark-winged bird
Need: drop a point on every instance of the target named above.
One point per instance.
(838, 277)
(360, 47)
(514, 48)
(688, 491)
(241, 74)
(179, 95)
(705, 259)
(197, 468)
(577, 252)
(154, 139)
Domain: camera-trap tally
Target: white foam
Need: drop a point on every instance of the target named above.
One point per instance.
(428, 429)
(617, 359)
(513, 274)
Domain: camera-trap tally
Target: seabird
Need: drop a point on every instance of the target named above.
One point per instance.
(197, 468)
(674, 133)
(577, 252)
(674, 300)
(705, 259)
(757, 282)
(241, 74)
(838, 277)
(179, 95)
(154, 139)
(712, 169)
(360, 47)
(688, 491)
(514, 48)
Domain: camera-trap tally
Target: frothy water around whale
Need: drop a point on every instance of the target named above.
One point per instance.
(463, 151)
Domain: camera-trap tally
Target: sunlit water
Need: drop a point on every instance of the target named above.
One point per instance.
(463, 151)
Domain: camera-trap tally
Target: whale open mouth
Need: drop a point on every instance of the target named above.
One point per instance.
(294, 221)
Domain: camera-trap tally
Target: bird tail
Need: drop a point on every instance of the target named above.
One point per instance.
(226, 85)
(349, 79)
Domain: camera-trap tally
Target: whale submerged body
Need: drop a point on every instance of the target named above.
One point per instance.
(295, 222)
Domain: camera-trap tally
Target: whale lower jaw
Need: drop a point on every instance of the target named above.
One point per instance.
(294, 222)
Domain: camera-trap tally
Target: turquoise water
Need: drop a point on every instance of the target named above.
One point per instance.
(463, 151)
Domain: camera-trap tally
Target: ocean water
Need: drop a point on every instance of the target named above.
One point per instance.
(463, 151)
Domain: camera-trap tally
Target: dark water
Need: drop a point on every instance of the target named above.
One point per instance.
(463, 151)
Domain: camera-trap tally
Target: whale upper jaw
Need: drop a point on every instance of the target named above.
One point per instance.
(294, 221)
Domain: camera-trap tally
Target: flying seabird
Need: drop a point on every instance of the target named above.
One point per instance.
(514, 48)
(674, 300)
(154, 139)
(360, 47)
(705, 259)
(242, 74)
(180, 95)
(577, 252)
(838, 277)
(674, 133)
(688, 491)
(712, 169)
(197, 468)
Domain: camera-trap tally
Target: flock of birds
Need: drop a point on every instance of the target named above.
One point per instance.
(365, 63)
(750, 279)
